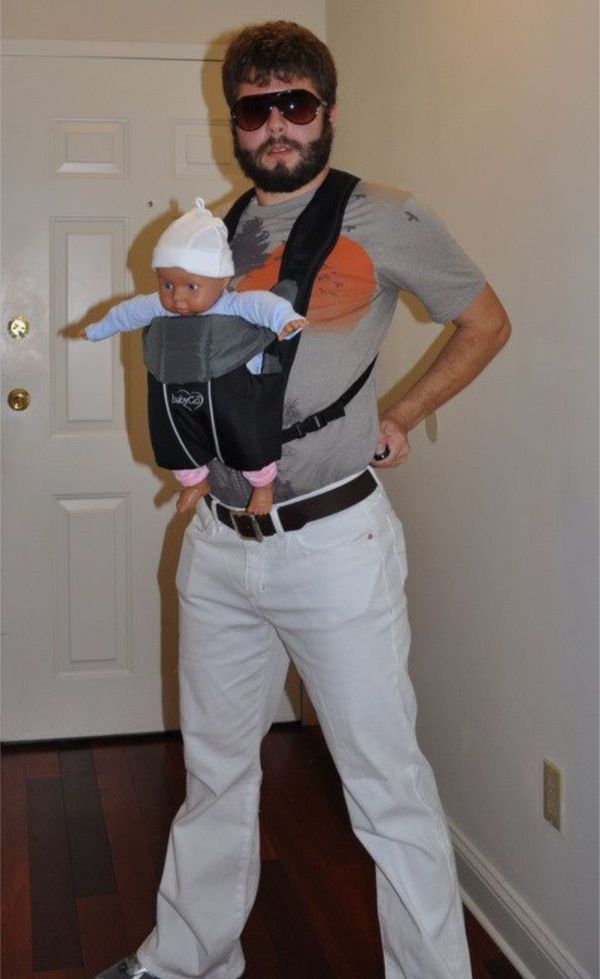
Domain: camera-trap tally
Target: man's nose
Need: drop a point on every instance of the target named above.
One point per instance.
(276, 121)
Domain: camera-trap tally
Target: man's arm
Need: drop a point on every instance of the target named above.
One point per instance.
(481, 331)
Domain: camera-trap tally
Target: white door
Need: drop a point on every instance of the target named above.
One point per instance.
(97, 152)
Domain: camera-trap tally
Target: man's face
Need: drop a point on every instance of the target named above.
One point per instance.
(281, 157)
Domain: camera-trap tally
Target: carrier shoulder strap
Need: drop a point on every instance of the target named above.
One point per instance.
(313, 237)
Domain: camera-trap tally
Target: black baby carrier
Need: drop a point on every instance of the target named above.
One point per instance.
(203, 403)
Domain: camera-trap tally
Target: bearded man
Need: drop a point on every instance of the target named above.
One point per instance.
(321, 578)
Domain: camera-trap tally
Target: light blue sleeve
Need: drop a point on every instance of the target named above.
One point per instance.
(260, 308)
(129, 315)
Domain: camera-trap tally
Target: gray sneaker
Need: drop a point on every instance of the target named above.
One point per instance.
(128, 968)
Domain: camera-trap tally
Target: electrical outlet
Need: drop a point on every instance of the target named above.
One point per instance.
(553, 794)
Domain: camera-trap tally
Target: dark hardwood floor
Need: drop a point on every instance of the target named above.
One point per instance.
(84, 831)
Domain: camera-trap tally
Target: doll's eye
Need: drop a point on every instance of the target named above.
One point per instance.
(167, 285)
(193, 286)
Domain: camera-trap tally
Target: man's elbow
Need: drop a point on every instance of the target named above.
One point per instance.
(502, 331)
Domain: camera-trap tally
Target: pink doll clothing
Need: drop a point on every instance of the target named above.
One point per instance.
(260, 477)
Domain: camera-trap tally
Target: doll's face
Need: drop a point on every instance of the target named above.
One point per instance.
(186, 294)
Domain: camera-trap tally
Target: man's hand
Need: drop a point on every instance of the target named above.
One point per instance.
(393, 446)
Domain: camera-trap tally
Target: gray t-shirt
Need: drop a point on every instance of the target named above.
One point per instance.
(389, 243)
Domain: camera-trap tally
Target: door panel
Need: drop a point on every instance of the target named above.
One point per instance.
(98, 154)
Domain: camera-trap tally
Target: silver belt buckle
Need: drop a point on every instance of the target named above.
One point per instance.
(246, 525)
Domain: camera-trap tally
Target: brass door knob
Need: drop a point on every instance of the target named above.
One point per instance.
(19, 399)
(18, 327)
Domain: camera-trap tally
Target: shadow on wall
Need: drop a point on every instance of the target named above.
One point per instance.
(398, 390)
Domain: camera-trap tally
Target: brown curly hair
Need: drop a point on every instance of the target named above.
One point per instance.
(280, 49)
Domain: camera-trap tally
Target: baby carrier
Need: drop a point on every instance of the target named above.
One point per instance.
(202, 401)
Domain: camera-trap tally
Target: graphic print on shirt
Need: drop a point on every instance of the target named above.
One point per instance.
(343, 289)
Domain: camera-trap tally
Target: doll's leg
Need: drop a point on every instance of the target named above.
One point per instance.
(195, 485)
(261, 481)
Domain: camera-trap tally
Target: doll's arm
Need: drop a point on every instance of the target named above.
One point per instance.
(129, 315)
(263, 309)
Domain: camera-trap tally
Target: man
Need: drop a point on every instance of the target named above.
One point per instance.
(331, 591)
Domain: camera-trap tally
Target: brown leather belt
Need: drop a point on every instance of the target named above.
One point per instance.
(295, 515)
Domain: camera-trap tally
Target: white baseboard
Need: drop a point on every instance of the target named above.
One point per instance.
(514, 926)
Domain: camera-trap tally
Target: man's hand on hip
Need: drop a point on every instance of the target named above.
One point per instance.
(393, 446)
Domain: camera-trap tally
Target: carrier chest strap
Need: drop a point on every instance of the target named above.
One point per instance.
(335, 410)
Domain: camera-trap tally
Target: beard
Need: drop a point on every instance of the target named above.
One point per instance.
(313, 157)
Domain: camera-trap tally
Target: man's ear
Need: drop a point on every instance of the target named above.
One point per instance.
(332, 115)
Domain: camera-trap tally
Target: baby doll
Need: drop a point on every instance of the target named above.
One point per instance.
(193, 266)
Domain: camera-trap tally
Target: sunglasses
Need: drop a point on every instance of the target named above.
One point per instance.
(295, 104)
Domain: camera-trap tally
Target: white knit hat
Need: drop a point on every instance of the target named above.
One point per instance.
(197, 243)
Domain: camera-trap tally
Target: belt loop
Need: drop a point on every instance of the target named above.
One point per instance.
(274, 515)
(213, 509)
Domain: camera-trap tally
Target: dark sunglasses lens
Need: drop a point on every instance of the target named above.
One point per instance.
(298, 106)
(251, 112)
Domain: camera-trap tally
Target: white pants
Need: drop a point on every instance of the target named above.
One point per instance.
(333, 594)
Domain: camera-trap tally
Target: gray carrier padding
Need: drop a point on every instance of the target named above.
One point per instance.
(178, 349)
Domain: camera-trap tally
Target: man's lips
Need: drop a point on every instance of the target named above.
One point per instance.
(274, 150)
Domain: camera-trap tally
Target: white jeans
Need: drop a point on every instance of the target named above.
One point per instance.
(333, 594)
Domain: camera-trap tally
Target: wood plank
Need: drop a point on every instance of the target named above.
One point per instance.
(136, 875)
(501, 968)
(77, 973)
(172, 755)
(14, 799)
(41, 760)
(358, 926)
(17, 959)
(312, 872)
(315, 914)
(262, 961)
(298, 951)
(486, 959)
(301, 768)
(267, 850)
(55, 935)
(88, 842)
(156, 798)
(102, 932)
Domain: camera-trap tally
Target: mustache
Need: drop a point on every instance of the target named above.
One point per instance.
(280, 142)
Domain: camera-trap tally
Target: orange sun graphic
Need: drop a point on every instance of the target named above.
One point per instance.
(343, 289)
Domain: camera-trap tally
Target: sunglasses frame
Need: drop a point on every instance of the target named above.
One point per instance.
(271, 100)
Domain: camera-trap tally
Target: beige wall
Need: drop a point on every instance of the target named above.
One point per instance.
(487, 111)
(179, 21)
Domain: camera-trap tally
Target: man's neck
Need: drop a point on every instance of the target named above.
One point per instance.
(265, 197)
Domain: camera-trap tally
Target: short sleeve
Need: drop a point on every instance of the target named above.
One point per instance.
(423, 258)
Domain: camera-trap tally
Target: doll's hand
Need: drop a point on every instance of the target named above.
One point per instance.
(82, 333)
(292, 328)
